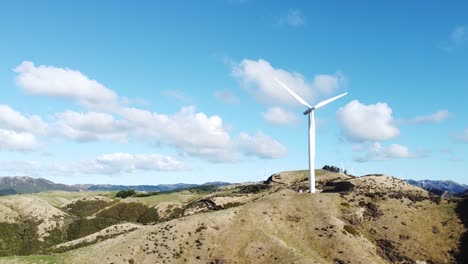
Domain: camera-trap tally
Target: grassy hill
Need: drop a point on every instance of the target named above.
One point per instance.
(372, 219)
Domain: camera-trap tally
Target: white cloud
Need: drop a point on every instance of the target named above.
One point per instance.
(327, 84)
(373, 122)
(193, 132)
(226, 96)
(279, 116)
(258, 77)
(64, 83)
(462, 137)
(13, 120)
(376, 152)
(17, 141)
(436, 117)
(261, 145)
(91, 126)
(190, 132)
(116, 163)
(19, 132)
(294, 18)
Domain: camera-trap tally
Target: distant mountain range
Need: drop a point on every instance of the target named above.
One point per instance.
(440, 187)
(142, 188)
(25, 184)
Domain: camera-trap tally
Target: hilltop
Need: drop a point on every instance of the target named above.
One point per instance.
(370, 219)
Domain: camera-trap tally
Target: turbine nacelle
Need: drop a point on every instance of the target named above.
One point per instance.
(306, 112)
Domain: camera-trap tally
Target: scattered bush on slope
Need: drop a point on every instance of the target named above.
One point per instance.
(86, 208)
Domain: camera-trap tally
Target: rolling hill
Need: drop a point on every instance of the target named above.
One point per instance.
(370, 219)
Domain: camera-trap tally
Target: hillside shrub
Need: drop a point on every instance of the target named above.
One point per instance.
(351, 230)
(145, 194)
(83, 227)
(83, 208)
(254, 188)
(18, 238)
(387, 250)
(372, 211)
(10, 241)
(151, 215)
(125, 193)
(203, 189)
(129, 212)
(232, 204)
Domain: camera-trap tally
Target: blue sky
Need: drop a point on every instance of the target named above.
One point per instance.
(183, 91)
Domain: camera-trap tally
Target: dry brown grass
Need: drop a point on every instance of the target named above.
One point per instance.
(280, 225)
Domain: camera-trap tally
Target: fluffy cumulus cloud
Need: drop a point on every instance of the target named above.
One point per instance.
(91, 126)
(19, 132)
(64, 83)
(374, 122)
(116, 163)
(436, 117)
(108, 117)
(193, 132)
(261, 145)
(198, 134)
(15, 121)
(376, 152)
(462, 137)
(258, 77)
(227, 97)
(17, 141)
(279, 116)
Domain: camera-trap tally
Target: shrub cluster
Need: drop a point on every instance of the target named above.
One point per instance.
(83, 208)
(254, 188)
(331, 168)
(125, 193)
(18, 238)
(131, 212)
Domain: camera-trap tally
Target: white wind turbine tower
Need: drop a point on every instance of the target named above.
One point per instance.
(310, 113)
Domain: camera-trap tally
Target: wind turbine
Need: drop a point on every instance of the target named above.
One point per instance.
(310, 113)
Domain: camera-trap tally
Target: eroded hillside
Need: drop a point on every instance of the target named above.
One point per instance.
(372, 219)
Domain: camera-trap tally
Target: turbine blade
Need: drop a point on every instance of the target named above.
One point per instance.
(329, 100)
(302, 101)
